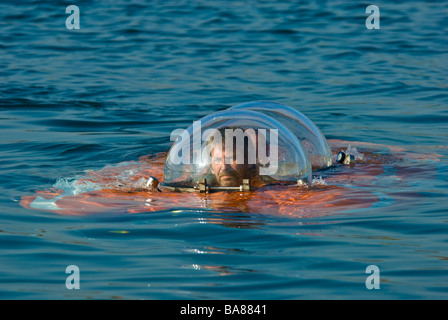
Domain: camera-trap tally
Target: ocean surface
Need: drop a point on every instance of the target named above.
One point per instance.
(73, 100)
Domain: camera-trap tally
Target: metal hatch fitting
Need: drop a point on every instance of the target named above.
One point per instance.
(204, 187)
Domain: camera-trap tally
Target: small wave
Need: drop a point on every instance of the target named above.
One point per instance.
(354, 152)
(125, 176)
(318, 181)
(75, 187)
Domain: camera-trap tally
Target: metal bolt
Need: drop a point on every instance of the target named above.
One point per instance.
(152, 183)
(350, 160)
(340, 157)
(246, 185)
(203, 185)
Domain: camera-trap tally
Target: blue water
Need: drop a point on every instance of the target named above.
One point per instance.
(112, 91)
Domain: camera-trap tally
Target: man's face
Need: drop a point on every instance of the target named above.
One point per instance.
(228, 173)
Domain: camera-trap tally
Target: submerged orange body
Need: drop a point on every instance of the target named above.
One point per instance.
(342, 188)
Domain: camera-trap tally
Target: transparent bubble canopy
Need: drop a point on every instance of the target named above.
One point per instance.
(312, 139)
(228, 146)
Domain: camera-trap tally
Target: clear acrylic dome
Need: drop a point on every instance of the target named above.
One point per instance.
(313, 141)
(228, 146)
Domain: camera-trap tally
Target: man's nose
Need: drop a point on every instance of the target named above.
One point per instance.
(226, 166)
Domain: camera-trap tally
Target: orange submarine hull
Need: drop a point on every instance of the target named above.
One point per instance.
(337, 189)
